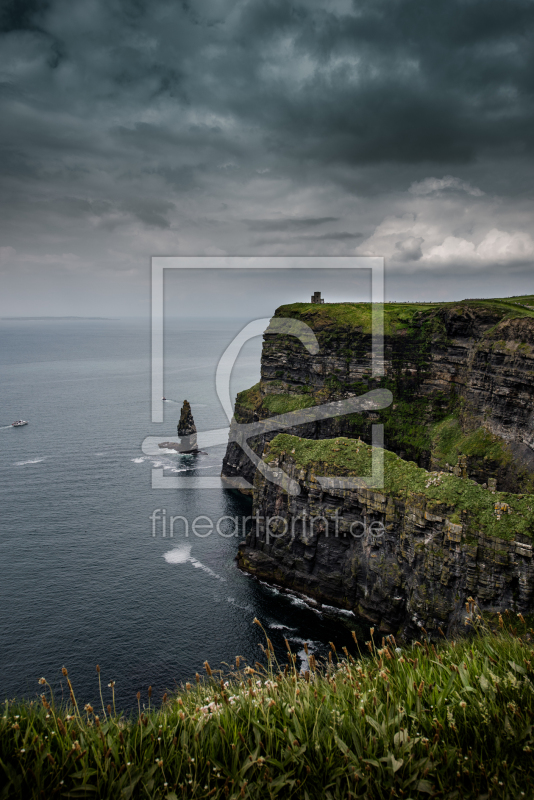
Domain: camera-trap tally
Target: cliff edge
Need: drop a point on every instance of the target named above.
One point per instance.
(403, 557)
(459, 436)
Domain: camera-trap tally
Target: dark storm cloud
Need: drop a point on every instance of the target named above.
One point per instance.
(375, 80)
(166, 126)
(22, 14)
(407, 81)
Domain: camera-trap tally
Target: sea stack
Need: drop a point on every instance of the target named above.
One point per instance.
(187, 430)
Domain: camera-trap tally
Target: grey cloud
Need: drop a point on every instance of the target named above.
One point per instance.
(292, 224)
(151, 212)
(447, 183)
(338, 236)
(82, 207)
(409, 249)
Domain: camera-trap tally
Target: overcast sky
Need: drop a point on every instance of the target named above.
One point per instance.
(129, 128)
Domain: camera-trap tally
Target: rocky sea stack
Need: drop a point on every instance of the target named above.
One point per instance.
(186, 425)
(187, 431)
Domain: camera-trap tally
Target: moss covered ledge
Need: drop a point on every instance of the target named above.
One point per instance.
(500, 514)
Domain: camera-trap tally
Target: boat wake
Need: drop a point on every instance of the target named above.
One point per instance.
(178, 403)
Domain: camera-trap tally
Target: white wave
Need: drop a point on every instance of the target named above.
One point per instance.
(31, 461)
(276, 626)
(342, 611)
(171, 463)
(270, 588)
(200, 565)
(182, 555)
(312, 646)
(164, 464)
(232, 602)
(304, 657)
(191, 469)
(302, 601)
(297, 601)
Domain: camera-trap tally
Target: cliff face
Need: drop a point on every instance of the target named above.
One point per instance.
(403, 557)
(461, 376)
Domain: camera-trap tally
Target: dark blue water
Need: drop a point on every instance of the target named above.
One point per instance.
(82, 579)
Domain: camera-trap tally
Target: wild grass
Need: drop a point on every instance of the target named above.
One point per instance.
(250, 398)
(449, 441)
(353, 315)
(449, 721)
(283, 403)
(405, 480)
(397, 316)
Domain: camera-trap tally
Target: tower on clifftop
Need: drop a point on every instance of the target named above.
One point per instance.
(316, 298)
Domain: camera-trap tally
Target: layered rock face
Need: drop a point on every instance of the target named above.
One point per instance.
(457, 503)
(403, 557)
(461, 376)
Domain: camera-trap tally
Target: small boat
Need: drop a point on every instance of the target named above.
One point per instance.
(19, 423)
(163, 398)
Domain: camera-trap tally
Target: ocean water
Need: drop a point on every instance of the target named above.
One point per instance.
(82, 579)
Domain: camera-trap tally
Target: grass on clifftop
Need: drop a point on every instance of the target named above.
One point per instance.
(352, 315)
(453, 721)
(405, 480)
(397, 316)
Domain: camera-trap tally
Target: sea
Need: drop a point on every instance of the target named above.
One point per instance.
(83, 578)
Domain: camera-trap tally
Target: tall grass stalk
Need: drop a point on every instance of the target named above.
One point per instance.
(448, 721)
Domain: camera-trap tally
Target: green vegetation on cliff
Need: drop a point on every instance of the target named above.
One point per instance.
(404, 480)
(253, 400)
(283, 403)
(397, 316)
(453, 721)
(450, 442)
(249, 398)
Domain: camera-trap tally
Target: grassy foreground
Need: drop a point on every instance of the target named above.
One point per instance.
(453, 721)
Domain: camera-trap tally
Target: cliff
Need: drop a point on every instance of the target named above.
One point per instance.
(403, 557)
(460, 427)
(460, 374)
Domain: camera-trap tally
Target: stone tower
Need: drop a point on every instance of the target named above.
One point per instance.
(316, 298)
